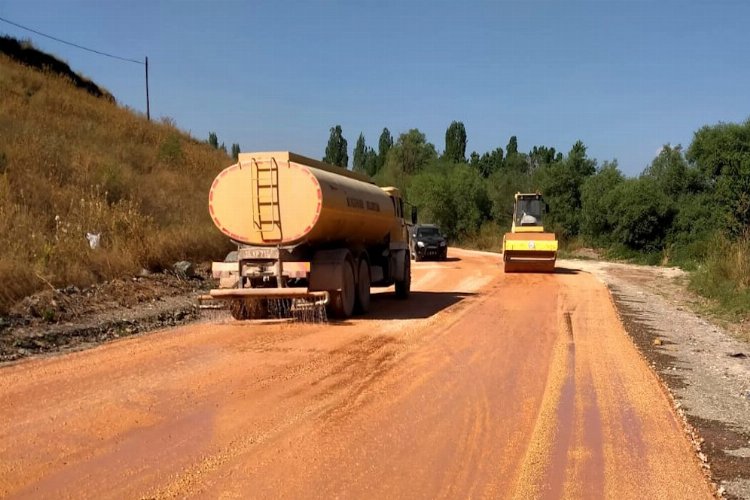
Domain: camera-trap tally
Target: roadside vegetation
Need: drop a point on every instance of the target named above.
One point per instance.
(689, 208)
(71, 164)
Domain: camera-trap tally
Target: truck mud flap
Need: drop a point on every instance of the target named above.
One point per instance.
(326, 269)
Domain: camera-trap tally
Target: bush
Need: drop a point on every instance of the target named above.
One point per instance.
(597, 203)
(725, 274)
(171, 150)
(453, 196)
(640, 216)
(488, 238)
(693, 229)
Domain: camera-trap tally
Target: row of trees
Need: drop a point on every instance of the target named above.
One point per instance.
(673, 209)
(213, 141)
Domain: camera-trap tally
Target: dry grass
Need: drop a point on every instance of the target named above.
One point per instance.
(489, 238)
(71, 163)
(725, 275)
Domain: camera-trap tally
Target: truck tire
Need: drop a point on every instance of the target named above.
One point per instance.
(342, 301)
(362, 305)
(403, 288)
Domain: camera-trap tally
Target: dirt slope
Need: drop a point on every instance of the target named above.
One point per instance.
(483, 384)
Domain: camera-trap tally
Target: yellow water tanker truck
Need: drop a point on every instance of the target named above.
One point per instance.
(527, 247)
(309, 234)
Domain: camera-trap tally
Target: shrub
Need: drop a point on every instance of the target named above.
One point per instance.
(725, 274)
(640, 216)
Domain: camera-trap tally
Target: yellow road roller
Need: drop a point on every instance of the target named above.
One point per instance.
(527, 247)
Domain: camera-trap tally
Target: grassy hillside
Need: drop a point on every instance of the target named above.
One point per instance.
(71, 163)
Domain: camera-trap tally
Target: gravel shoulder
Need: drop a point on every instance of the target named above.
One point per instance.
(69, 319)
(703, 365)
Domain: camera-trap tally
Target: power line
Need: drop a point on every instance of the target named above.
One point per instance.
(70, 43)
(144, 63)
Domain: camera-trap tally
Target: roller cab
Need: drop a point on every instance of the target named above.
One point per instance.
(527, 247)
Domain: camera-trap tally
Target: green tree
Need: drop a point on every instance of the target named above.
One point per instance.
(501, 189)
(474, 159)
(385, 143)
(580, 164)
(694, 228)
(512, 147)
(641, 214)
(411, 152)
(488, 162)
(561, 191)
(561, 182)
(514, 161)
(453, 197)
(371, 162)
(235, 151)
(213, 140)
(722, 154)
(360, 155)
(455, 143)
(336, 150)
(540, 156)
(596, 203)
(696, 216)
(669, 169)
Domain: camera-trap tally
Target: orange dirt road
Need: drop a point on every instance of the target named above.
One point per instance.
(481, 385)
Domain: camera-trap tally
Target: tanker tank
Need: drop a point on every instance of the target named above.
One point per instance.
(283, 199)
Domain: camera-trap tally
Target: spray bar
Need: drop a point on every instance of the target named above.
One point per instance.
(269, 293)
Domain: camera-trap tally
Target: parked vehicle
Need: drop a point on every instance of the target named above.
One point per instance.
(427, 242)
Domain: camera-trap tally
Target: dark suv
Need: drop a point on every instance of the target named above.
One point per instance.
(427, 242)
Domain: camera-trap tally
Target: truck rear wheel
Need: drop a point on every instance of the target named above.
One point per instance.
(403, 288)
(362, 305)
(342, 301)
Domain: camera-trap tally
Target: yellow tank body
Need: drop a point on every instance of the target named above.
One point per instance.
(280, 198)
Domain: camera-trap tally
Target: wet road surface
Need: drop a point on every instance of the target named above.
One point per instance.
(481, 385)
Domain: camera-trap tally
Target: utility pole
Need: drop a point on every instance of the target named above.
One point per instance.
(148, 104)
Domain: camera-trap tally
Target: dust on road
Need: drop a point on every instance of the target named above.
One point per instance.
(482, 384)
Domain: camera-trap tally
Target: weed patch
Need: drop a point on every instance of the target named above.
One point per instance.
(725, 275)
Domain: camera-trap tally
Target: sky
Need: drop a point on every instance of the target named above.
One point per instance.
(624, 77)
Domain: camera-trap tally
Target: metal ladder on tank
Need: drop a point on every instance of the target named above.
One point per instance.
(264, 179)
